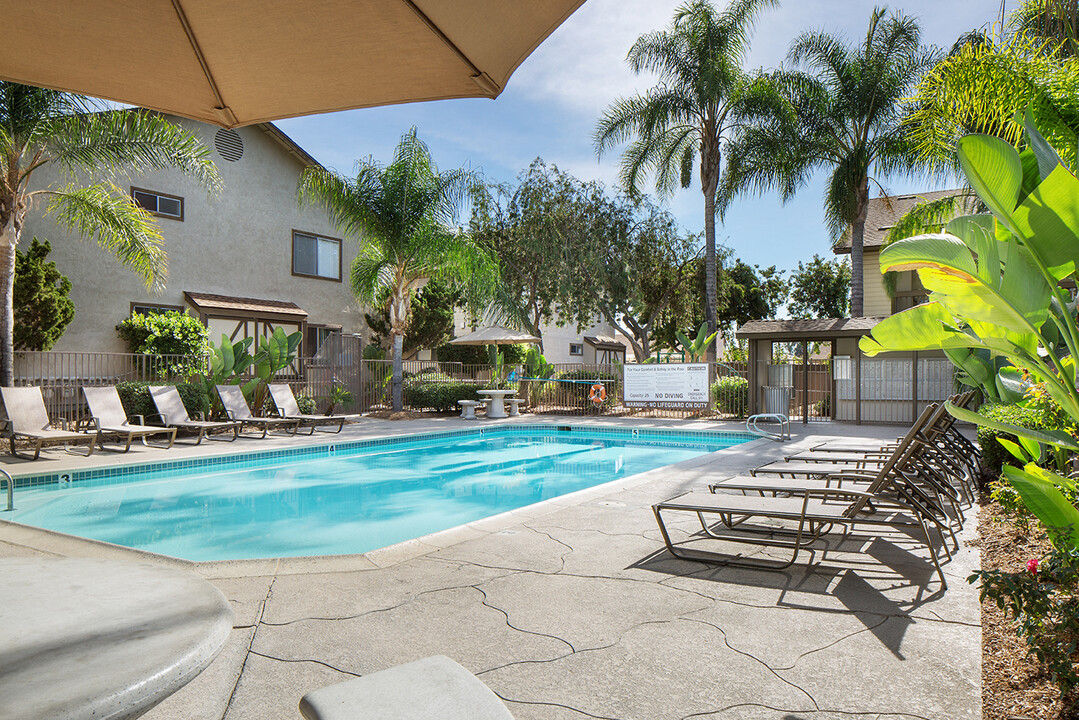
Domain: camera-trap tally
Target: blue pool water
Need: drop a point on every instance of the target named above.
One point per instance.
(348, 498)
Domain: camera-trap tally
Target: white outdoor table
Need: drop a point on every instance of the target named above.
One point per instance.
(497, 406)
(85, 638)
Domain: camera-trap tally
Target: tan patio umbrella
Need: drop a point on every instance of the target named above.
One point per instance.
(237, 62)
(495, 335)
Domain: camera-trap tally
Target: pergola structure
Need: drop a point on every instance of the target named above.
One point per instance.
(842, 333)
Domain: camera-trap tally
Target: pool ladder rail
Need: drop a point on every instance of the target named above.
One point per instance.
(10, 490)
(784, 426)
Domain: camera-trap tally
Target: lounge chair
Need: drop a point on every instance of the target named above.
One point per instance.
(434, 687)
(27, 419)
(236, 407)
(813, 512)
(110, 419)
(173, 414)
(288, 408)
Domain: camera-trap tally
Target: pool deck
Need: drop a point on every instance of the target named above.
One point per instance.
(573, 609)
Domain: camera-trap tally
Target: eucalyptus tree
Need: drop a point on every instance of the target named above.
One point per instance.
(845, 113)
(42, 128)
(403, 215)
(701, 95)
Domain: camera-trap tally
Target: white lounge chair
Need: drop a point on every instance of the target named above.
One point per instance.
(27, 419)
(110, 419)
(171, 410)
(236, 407)
(289, 409)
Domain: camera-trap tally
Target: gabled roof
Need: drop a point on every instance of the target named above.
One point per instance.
(601, 342)
(210, 302)
(289, 144)
(882, 215)
(819, 329)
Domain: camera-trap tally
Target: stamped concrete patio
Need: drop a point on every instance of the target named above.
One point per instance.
(573, 609)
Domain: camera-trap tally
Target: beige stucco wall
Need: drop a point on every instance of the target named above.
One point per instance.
(876, 303)
(237, 243)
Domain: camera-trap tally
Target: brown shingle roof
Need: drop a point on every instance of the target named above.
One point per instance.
(208, 301)
(882, 215)
(823, 328)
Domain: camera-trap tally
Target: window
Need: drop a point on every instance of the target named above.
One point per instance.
(159, 204)
(576, 349)
(314, 256)
(139, 309)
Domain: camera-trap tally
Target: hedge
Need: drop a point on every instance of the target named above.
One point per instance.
(731, 394)
(437, 391)
(135, 397)
(993, 454)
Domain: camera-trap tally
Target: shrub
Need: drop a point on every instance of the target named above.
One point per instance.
(1044, 602)
(168, 333)
(731, 394)
(993, 454)
(437, 391)
(306, 404)
(42, 308)
(135, 397)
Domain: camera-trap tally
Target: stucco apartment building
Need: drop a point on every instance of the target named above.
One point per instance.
(244, 261)
(881, 216)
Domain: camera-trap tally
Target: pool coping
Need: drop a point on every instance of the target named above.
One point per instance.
(53, 542)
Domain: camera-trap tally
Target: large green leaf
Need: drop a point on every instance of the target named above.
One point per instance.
(1047, 221)
(1049, 437)
(1047, 157)
(1011, 385)
(923, 327)
(1038, 488)
(993, 168)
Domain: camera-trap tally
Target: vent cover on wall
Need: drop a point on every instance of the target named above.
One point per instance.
(229, 144)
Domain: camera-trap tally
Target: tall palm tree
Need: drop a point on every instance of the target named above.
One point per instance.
(40, 128)
(402, 214)
(845, 114)
(702, 93)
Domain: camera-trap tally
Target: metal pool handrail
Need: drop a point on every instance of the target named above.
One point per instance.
(784, 426)
(10, 490)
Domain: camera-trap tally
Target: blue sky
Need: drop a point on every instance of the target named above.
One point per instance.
(551, 104)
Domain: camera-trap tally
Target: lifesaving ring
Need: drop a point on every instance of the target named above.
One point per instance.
(597, 394)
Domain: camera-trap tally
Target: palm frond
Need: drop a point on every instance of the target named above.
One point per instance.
(128, 142)
(105, 213)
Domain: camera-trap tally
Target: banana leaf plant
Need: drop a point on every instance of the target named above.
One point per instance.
(536, 367)
(275, 353)
(697, 347)
(228, 361)
(233, 363)
(996, 304)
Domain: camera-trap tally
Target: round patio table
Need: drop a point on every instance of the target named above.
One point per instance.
(497, 407)
(86, 638)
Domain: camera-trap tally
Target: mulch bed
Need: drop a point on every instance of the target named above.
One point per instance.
(1012, 684)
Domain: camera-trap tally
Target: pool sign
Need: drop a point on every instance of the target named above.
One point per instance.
(682, 386)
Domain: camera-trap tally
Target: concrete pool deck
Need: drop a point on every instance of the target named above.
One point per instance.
(572, 608)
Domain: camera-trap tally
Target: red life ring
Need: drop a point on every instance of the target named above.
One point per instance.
(597, 394)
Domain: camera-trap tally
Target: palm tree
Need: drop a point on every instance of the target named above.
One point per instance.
(846, 114)
(39, 128)
(402, 214)
(702, 93)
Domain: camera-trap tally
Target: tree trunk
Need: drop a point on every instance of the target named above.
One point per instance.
(857, 237)
(9, 240)
(398, 400)
(710, 271)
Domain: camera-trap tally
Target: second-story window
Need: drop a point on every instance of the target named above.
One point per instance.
(170, 206)
(576, 349)
(315, 256)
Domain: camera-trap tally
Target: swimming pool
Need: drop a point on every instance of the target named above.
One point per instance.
(349, 497)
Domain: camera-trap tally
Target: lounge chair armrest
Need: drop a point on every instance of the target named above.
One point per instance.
(88, 423)
(137, 420)
(159, 416)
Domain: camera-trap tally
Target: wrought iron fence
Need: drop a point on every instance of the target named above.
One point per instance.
(561, 389)
(61, 374)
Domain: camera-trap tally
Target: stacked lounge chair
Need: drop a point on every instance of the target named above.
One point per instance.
(27, 419)
(912, 486)
(289, 409)
(236, 407)
(109, 419)
(173, 414)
